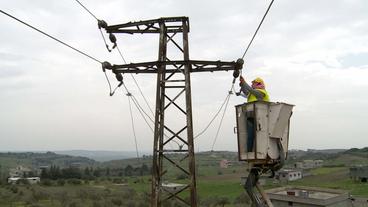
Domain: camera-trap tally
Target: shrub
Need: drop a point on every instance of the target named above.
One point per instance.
(61, 182)
(14, 189)
(75, 181)
(117, 202)
(46, 182)
(181, 176)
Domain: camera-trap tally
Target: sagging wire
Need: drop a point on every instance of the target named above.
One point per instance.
(132, 121)
(222, 117)
(144, 113)
(239, 66)
(54, 38)
(102, 24)
(136, 83)
(213, 118)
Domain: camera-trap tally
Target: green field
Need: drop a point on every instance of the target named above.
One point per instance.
(214, 185)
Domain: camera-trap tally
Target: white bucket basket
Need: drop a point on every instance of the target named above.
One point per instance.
(267, 123)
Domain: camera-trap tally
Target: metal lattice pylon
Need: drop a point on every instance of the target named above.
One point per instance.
(173, 83)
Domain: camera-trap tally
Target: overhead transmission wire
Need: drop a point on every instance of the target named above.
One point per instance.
(130, 95)
(136, 83)
(52, 37)
(132, 120)
(135, 101)
(228, 97)
(215, 116)
(121, 54)
(223, 114)
(259, 26)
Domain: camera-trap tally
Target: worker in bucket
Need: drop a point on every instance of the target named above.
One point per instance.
(256, 92)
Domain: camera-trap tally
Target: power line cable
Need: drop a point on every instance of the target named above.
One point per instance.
(133, 128)
(136, 83)
(219, 127)
(144, 114)
(213, 119)
(87, 10)
(254, 35)
(217, 113)
(121, 54)
(44, 33)
(135, 101)
(100, 23)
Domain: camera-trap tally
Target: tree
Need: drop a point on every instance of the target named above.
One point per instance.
(107, 171)
(87, 172)
(97, 172)
(144, 169)
(45, 174)
(128, 171)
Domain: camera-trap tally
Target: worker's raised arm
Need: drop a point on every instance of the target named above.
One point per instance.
(245, 88)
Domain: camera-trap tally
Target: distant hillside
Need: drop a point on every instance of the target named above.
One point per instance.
(333, 157)
(358, 152)
(35, 160)
(202, 158)
(100, 156)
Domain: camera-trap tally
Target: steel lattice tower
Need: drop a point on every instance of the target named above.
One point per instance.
(173, 83)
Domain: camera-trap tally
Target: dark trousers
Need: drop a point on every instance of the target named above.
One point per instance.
(250, 133)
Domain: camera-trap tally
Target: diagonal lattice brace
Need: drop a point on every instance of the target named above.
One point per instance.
(175, 164)
(173, 102)
(176, 135)
(176, 195)
(170, 38)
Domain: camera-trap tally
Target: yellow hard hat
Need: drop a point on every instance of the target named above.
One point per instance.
(258, 80)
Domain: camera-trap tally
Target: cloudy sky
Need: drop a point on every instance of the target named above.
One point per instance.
(313, 54)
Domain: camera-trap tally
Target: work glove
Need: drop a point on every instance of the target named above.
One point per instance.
(242, 81)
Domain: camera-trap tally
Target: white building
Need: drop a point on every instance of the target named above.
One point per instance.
(173, 187)
(289, 175)
(308, 197)
(309, 164)
(31, 180)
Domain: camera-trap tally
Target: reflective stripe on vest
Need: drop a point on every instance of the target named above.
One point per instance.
(252, 98)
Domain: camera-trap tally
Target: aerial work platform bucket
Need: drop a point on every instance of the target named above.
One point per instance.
(263, 132)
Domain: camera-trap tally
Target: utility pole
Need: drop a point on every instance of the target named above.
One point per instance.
(173, 80)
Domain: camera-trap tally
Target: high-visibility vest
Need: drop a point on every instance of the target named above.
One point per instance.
(252, 98)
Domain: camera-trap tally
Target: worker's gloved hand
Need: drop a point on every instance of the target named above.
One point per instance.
(242, 81)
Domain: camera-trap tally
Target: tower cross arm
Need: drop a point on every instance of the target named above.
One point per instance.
(175, 66)
(173, 25)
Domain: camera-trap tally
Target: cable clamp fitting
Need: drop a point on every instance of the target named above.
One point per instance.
(106, 65)
(101, 24)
